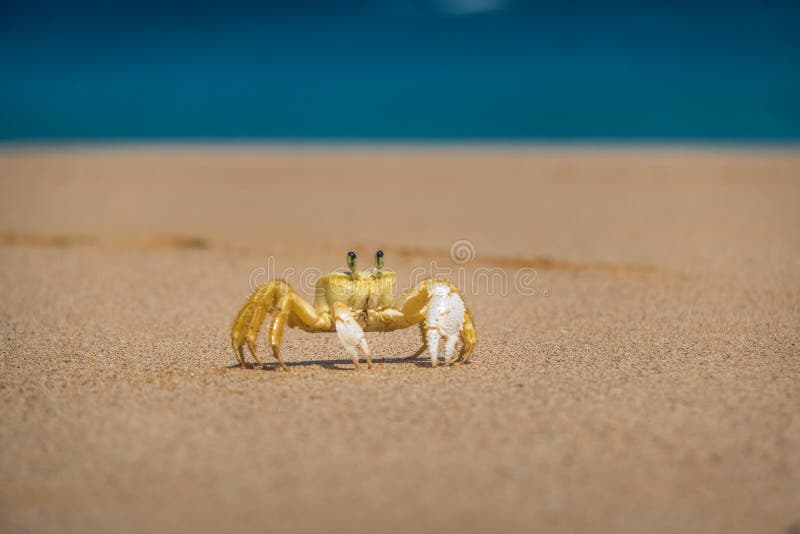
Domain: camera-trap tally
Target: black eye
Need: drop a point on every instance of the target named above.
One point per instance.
(351, 255)
(379, 254)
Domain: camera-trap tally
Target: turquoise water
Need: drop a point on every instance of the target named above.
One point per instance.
(479, 70)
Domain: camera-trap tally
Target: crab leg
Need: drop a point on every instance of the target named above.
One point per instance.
(248, 321)
(468, 338)
(278, 296)
(424, 346)
(277, 326)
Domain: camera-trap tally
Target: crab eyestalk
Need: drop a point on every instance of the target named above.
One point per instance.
(351, 263)
(378, 262)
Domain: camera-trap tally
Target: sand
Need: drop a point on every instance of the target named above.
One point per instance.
(650, 382)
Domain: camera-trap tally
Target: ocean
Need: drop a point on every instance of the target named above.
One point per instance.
(455, 70)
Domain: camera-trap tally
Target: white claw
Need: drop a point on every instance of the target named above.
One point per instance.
(450, 347)
(433, 346)
(444, 319)
(351, 335)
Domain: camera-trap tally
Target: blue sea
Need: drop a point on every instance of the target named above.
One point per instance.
(461, 70)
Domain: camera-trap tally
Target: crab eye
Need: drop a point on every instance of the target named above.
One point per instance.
(379, 260)
(351, 260)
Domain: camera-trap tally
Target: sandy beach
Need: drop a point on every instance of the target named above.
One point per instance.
(645, 379)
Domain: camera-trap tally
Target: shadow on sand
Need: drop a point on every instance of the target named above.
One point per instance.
(333, 365)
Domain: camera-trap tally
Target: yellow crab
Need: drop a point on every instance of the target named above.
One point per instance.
(356, 302)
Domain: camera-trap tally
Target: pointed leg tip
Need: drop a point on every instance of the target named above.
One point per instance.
(276, 353)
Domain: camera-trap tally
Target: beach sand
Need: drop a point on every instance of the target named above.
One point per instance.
(639, 371)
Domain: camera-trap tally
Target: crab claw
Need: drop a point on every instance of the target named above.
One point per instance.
(443, 321)
(351, 334)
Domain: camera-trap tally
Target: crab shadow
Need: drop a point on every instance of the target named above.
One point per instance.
(333, 365)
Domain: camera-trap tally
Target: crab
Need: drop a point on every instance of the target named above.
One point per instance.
(351, 303)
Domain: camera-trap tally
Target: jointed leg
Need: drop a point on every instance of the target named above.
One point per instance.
(469, 338)
(255, 323)
(278, 296)
(277, 326)
(424, 346)
(248, 321)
